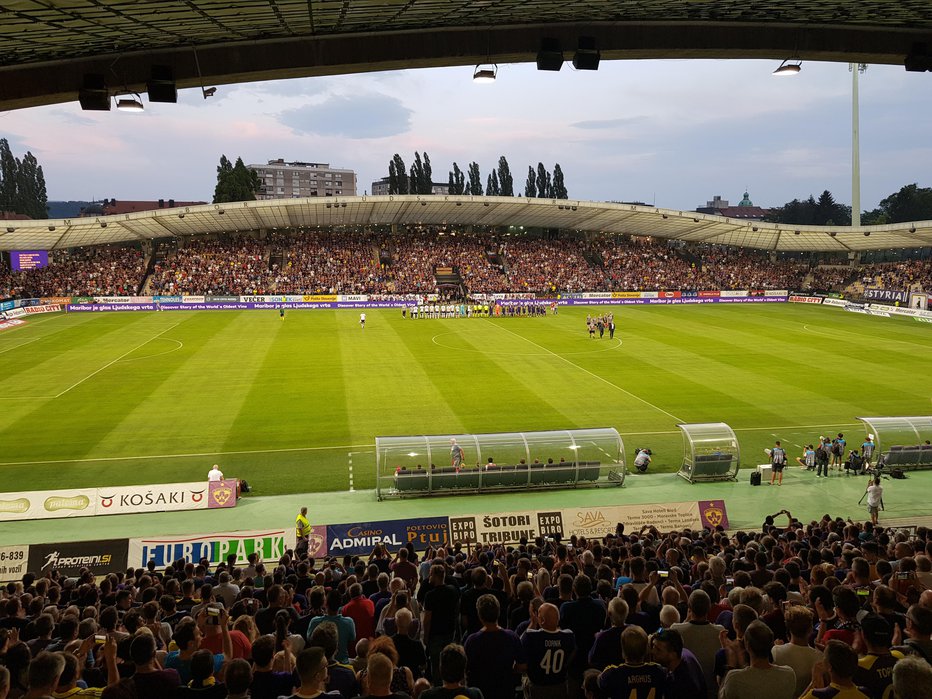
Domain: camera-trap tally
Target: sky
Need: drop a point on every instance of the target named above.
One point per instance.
(671, 133)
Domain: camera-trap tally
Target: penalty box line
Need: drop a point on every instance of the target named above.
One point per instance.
(111, 363)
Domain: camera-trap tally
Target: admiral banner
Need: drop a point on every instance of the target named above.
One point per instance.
(270, 545)
(14, 563)
(361, 538)
(99, 557)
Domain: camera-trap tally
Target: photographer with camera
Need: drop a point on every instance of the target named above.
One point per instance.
(642, 459)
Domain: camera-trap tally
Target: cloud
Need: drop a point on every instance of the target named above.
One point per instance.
(608, 123)
(73, 117)
(360, 116)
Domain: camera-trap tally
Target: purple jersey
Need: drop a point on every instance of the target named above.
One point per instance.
(645, 681)
(548, 654)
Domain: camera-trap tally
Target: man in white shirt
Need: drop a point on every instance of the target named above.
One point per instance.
(362, 320)
(760, 679)
(215, 474)
(874, 499)
(798, 654)
(700, 637)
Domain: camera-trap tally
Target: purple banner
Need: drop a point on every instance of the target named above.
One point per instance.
(28, 259)
(274, 306)
(712, 513)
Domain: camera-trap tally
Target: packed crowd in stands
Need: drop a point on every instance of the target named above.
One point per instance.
(327, 263)
(822, 609)
(548, 266)
(416, 256)
(914, 275)
(230, 265)
(406, 262)
(93, 271)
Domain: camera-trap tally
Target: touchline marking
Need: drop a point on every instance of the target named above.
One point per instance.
(21, 344)
(180, 456)
(111, 363)
(338, 446)
(603, 380)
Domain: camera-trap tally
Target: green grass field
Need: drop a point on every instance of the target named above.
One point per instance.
(120, 398)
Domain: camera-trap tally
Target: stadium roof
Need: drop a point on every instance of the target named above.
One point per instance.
(47, 47)
(439, 210)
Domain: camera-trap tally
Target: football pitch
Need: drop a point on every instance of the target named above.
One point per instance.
(290, 405)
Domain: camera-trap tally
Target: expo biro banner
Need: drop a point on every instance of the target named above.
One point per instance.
(505, 528)
(361, 538)
(99, 557)
(14, 563)
(270, 545)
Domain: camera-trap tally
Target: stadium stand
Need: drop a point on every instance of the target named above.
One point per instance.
(420, 260)
(803, 592)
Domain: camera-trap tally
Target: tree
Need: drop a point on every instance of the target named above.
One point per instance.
(475, 179)
(824, 212)
(492, 188)
(392, 178)
(428, 178)
(8, 177)
(543, 182)
(911, 203)
(559, 188)
(457, 180)
(401, 176)
(416, 181)
(506, 183)
(235, 182)
(530, 188)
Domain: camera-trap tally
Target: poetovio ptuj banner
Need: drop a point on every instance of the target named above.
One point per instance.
(113, 500)
(269, 544)
(361, 538)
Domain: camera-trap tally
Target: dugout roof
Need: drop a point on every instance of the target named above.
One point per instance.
(46, 47)
(441, 210)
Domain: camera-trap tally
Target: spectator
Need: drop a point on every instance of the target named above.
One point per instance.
(759, 678)
(912, 679)
(494, 655)
(798, 654)
(346, 628)
(840, 664)
(452, 676)
(700, 636)
(686, 676)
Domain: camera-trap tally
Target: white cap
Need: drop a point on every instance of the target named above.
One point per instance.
(870, 436)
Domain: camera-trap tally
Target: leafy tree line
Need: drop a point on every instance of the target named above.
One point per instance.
(22, 184)
(499, 182)
(911, 203)
(235, 181)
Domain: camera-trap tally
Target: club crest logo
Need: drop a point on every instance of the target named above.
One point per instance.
(222, 495)
(713, 516)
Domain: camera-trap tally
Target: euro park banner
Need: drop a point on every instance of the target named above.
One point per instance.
(509, 528)
(361, 538)
(130, 499)
(270, 545)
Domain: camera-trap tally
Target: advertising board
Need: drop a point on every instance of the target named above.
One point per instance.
(361, 538)
(14, 562)
(270, 545)
(99, 557)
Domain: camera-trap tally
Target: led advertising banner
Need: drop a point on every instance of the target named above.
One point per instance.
(22, 260)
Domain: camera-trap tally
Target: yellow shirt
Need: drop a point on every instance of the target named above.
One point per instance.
(302, 527)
